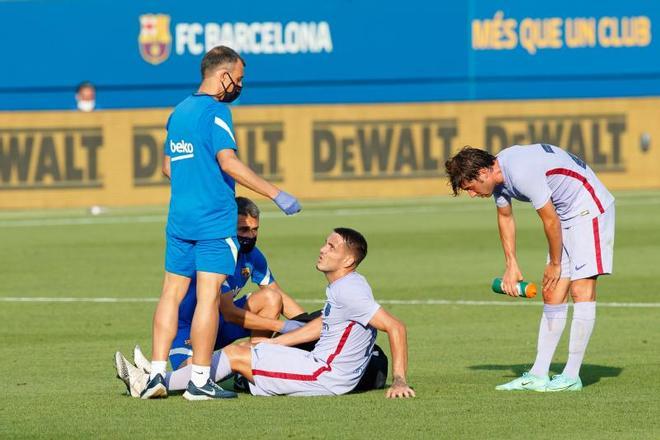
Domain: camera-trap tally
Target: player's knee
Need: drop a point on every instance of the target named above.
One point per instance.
(556, 296)
(272, 300)
(552, 298)
(236, 353)
(583, 290)
(583, 295)
(174, 286)
(172, 294)
(229, 351)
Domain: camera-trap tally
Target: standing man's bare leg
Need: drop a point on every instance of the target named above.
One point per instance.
(165, 325)
(204, 328)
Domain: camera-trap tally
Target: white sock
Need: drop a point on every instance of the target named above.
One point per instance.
(584, 318)
(178, 380)
(220, 366)
(200, 374)
(157, 367)
(552, 326)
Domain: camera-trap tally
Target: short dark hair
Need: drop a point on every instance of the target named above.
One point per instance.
(85, 85)
(247, 207)
(465, 166)
(218, 56)
(355, 242)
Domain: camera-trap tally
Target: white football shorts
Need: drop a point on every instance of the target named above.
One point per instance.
(279, 370)
(588, 247)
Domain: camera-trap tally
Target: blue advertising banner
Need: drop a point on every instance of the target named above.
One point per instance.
(147, 53)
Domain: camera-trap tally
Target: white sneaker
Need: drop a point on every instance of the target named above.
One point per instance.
(141, 360)
(134, 378)
(527, 382)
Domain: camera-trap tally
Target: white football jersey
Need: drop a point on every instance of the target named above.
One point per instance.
(539, 173)
(347, 339)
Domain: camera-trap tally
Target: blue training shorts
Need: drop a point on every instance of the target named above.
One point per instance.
(227, 333)
(185, 257)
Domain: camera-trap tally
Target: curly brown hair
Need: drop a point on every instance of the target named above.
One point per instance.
(465, 166)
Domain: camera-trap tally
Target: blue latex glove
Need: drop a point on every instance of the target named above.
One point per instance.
(290, 326)
(287, 203)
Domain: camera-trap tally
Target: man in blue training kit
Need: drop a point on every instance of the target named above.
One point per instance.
(254, 314)
(201, 162)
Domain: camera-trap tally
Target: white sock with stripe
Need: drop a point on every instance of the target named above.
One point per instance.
(552, 326)
(584, 318)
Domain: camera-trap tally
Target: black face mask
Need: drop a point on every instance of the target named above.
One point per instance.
(247, 244)
(230, 96)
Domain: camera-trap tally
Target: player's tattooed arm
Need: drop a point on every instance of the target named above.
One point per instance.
(399, 388)
(397, 334)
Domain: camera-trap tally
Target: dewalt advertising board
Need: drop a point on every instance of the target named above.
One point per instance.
(113, 158)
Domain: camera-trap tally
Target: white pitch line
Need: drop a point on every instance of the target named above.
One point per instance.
(444, 207)
(55, 299)
(75, 221)
(404, 302)
(344, 212)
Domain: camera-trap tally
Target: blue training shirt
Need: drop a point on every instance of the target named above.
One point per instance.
(251, 265)
(202, 204)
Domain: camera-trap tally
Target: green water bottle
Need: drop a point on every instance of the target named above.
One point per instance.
(526, 289)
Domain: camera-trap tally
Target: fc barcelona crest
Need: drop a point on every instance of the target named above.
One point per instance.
(155, 40)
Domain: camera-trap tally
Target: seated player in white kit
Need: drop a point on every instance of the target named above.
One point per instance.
(346, 333)
(577, 213)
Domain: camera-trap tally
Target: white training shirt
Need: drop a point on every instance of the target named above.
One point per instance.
(347, 339)
(540, 172)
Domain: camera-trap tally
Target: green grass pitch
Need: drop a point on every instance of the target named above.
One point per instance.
(56, 370)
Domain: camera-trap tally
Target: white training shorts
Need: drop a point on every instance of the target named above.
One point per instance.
(279, 370)
(588, 247)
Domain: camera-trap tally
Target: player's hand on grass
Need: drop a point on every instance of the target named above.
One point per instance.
(399, 389)
(287, 203)
(510, 280)
(551, 276)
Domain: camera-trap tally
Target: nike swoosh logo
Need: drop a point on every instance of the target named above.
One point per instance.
(207, 392)
(580, 267)
(526, 383)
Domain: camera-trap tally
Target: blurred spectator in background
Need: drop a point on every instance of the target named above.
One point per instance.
(86, 97)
